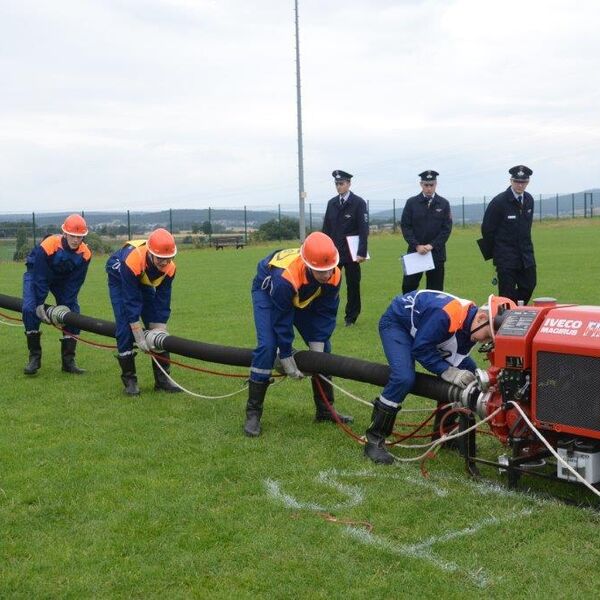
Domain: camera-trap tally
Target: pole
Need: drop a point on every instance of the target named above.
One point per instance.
(394, 215)
(301, 192)
(245, 225)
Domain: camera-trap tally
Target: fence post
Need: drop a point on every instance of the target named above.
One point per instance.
(540, 208)
(170, 220)
(209, 226)
(310, 216)
(394, 215)
(591, 205)
(585, 205)
(572, 206)
(557, 207)
(279, 220)
(33, 227)
(128, 225)
(463, 211)
(245, 225)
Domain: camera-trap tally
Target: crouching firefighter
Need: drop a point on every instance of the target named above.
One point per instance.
(293, 288)
(438, 331)
(59, 264)
(140, 278)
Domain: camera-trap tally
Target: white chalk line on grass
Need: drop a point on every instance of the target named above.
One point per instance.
(421, 549)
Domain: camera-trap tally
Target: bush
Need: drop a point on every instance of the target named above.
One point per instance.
(97, 245)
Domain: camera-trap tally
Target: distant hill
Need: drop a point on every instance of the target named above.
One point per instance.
(182, 219)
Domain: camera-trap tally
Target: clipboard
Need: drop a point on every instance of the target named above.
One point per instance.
(352, 241)
(417, 263)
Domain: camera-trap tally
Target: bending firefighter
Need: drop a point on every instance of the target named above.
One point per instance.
(438, 331)
(59, 265)
(297, 287)
(140, 277)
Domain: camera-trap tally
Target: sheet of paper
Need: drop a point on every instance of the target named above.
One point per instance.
(417, 263)
(353, 246)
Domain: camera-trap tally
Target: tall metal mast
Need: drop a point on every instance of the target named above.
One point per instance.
(301, 192)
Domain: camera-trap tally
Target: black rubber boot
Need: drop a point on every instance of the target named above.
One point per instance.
(67, 351)
(35, 352)
(323, 413)
(382, 423)
(161, 381)
(254, 407)
(128, 376)
(449, 424)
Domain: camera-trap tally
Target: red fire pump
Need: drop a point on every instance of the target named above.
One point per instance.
(545, 366)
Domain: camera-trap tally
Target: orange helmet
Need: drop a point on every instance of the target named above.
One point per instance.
(75, 225)
(319, 252)
(497, 306)
(162, 244)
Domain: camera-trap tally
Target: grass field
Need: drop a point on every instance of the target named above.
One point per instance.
(162, 496)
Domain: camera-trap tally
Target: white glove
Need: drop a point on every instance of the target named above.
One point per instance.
(41, 314)
(140, 338)
(161, 326)
(460, 377)
(316, 346)
(290, 368)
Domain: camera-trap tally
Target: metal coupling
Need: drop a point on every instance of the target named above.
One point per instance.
(155, 339)
(57, 314)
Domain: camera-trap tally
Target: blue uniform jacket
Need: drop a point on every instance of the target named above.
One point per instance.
(440, 327)
(137, 296)
(53, 265)
(287, 298)
(351, 218)
(506, 230)
(425, 222)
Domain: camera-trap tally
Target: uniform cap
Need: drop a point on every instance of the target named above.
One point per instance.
(341, 175)
(75, 225)
(162, 244)
(520, 173)
(428, 175)
(319, 252)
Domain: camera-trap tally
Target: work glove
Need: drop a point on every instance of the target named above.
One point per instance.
(290, 368)
(40, 312)
(316, 346)
(460, 377)
(161, 326)
(140, 338)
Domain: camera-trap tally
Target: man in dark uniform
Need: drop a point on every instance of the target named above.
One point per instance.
(347, 215)
(506, 231)
(426, 225)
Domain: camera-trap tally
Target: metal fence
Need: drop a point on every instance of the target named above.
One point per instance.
(198, 227)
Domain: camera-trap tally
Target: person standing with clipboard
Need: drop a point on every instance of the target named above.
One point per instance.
(426, 225)
(347, 215)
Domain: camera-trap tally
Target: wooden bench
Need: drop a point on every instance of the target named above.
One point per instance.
(231, 240)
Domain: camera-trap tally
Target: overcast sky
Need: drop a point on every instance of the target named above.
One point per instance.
(152, 104)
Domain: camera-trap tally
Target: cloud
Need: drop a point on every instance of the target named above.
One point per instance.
(188, 103)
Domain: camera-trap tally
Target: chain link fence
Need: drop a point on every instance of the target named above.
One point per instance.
(215, 226)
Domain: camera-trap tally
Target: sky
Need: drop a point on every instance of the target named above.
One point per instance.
(155, 104)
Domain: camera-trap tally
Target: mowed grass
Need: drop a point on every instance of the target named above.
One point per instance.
(162, 496)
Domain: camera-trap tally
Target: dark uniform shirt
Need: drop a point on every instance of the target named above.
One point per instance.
(506, 230)
(349, 218)
(427, 222)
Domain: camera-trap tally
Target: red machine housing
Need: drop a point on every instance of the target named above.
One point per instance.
(566, 372)
(547, 359)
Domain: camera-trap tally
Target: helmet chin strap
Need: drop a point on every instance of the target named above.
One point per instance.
(480, 327)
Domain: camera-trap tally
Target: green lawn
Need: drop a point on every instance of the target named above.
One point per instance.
(162, 496)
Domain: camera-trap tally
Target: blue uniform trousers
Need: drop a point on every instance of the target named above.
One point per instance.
(265, 352)
(62, 295)
(397, 345)
(123, 332)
